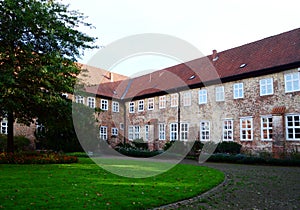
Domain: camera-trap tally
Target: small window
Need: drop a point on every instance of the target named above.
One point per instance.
(131, 107)
(174, 100)
(204, 131)
(115, 106)
(122, 126)
(173, 131)
(162, 102)
(238, 90)
(266, 128)
(220, 96)
(203, 96)
(266, 86)
(79, 99)
(104, 104)
(114, 131)
(150, 103)
(292, 82)
(246, 129)
(133, 132)
(141, 106)
(91, 102)
(147, 132)
(103, 133)
(187, 99)
(184, 130)
(4, 126)
(292, 127)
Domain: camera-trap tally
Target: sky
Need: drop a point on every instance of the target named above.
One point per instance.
(205, 24)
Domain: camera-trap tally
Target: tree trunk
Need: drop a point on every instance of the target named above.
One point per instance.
(10, 132)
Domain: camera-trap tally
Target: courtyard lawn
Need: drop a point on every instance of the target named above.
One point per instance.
(85, 185)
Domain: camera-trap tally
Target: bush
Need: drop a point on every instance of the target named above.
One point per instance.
(36, 158)
(140, 144)
(228, 147)
(132, 152)
(20, 143)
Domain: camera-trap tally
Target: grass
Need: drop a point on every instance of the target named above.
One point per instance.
(85, 185)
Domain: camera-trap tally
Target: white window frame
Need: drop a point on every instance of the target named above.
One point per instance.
(227, 130)
(162, 102)
(121, 126)
(173, 131)
(150, 103)
(162, 131)
(220, 93)
(133, 132)
(103, 133)
(266, 127)
(147, 132)
(174, 100)
(293, 82)
(131, 107)
(266, 86)
(202, 96)
(104, 104)
(247, 130)
(137, 134)
(4, 126)
(187, 99)
(204, 130)
(91, 102)
(238, 90)
(141, 105)
(292, 127)
(184, 131)
(130, 132)
(114, 131)
(115, 106)
(79, 99)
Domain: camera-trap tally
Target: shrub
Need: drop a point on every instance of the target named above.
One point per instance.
(132, 152)
(168, 145)
(20, 143)
(140, 144)
(228, 147)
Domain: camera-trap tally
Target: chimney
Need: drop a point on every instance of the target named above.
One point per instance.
(110, 77)
(215, 55)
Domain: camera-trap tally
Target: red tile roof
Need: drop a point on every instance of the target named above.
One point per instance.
(260, 57)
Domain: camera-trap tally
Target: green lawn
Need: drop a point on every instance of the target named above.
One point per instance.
(85, 185)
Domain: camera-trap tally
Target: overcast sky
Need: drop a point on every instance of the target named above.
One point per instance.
(207, 25)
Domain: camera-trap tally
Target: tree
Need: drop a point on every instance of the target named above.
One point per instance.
(39, 46)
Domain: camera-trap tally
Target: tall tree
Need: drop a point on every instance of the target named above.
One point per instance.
(40, 42)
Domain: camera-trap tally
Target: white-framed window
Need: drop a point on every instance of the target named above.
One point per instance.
(187, 99)
(104, 104)
(238, 90)
(103, 133)
(220, 95)
(161, 131)
(246, 129)
(204, 131)
(266, 125)
(292, 82)
(266, 86)
(147, 132)
(162, 102)
(115, 106)
(227, 130)
(130, 132)
(150, 103)
(292, 127)
(184, 130)
(79, 99)
(141, 105)
(91, 102)
(174, 100)
(173, 131)
(202, 96)
(122, 126)
(136, 132)
(4, 126)
(114, 131)
(131, 107)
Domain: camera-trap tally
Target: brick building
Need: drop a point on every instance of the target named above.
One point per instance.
(249, 94)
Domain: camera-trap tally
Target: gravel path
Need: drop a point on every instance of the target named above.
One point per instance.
(250, 187)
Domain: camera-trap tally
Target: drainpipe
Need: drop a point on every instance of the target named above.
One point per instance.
(178, 114)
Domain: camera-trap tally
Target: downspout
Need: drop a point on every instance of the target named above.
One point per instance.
(178, 115)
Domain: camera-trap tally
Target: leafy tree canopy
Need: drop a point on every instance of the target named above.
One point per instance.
(39, 46)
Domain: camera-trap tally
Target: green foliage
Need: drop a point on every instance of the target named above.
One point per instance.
(21, 142)
(228, 147)
(140, 144)
(39, 44)
(134, 152)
